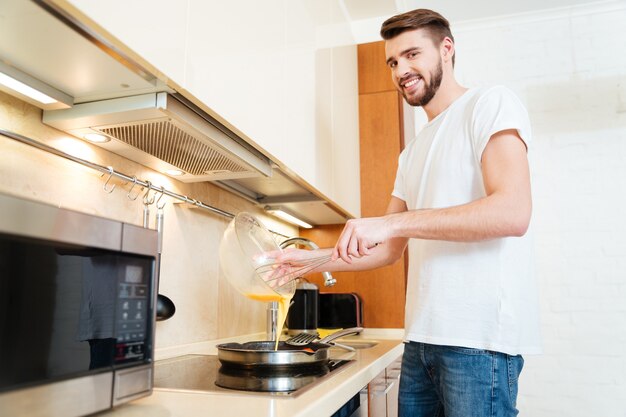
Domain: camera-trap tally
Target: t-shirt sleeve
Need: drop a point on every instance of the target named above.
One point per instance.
(398, 186)
(496, 110)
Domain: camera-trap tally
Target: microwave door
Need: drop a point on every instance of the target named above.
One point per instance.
(69, 310)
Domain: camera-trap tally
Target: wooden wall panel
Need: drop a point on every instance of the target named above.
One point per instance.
(382, 290)
(379, 129)
(381, 140)
(374, 76)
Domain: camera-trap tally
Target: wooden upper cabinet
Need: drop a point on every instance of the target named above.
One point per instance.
(380, 126)
(374, 75)
(381, 133)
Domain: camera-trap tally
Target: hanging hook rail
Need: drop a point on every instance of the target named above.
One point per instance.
(109, 170)
(160, 205)
(131, 189)
(113, 173)
(146, 200)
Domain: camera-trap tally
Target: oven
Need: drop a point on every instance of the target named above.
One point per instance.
(77, 310)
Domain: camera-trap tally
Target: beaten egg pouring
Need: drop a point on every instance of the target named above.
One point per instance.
(283, 306)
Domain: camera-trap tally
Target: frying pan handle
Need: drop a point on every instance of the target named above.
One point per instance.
(339, 345)
(341, 333)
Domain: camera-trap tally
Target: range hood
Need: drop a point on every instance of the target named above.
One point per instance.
(163, 133)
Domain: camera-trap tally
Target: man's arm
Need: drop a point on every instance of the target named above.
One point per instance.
(383, 254)
(504, 211)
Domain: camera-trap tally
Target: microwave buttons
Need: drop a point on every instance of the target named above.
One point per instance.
(140, 291)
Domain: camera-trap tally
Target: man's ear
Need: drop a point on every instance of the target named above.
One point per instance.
(447, 49)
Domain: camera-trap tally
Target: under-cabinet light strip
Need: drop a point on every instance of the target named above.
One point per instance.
(24, 89)
(288, 217)
(43, 95)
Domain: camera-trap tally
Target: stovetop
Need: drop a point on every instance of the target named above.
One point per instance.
(204, 373)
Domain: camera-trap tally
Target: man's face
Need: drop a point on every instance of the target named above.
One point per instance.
(416, 66)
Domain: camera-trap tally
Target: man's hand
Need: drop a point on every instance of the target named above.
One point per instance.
(360, 236)
(296, 257)
(367, 233)
(289, 264)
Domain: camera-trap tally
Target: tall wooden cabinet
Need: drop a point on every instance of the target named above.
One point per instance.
(381, 140)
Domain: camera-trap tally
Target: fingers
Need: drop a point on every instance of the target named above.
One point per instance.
(349, 245)
(364, 250)
(353, 247)
(356, 240)
(334, 254)
(294, 256)
(277, 276)
(341, 247)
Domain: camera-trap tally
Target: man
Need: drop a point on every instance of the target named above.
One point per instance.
(462, 201)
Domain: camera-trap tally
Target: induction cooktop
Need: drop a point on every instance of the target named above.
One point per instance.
(204, 373)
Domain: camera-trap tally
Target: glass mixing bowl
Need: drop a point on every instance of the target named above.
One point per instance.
(243, 252)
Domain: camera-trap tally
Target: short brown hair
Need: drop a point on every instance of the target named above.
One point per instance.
(435, 24)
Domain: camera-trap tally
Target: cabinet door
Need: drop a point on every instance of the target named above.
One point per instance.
(236, 65)
(264, 72)
(393, 379)
(154, 29)
(377, 398)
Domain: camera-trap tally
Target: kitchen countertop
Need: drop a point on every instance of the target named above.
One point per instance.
(320, 400)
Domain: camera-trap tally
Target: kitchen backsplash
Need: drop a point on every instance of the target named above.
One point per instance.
(207, 308)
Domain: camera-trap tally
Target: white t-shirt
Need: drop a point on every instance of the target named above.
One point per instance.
(480, 294)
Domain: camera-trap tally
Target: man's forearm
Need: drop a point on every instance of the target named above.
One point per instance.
(487, 218)
(384, 254)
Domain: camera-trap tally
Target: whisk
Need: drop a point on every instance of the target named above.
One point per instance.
(278, 274)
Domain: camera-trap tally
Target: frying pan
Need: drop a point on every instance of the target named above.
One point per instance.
(261, 355)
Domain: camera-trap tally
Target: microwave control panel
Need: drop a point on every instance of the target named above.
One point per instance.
(132, 316)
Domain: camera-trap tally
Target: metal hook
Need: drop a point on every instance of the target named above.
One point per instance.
(160, 206)
(107, 181)
(131, 189)
(147, 201)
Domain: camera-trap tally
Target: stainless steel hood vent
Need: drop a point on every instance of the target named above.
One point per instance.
(168, 142)
(162, 133)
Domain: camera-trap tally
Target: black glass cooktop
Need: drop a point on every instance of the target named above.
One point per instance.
(204, 373)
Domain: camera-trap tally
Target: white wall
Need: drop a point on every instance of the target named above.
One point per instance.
(569, 67)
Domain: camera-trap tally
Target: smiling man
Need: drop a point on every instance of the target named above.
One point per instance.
(415, 90)
(462, 203)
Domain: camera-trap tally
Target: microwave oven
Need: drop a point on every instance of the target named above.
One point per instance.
(77, 310)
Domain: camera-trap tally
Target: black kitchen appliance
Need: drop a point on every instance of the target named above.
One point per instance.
(340, 310)
(76, 310)
(303, 312)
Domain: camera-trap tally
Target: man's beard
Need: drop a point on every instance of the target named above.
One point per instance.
(430, 89)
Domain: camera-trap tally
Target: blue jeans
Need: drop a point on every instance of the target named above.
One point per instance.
(450, 381)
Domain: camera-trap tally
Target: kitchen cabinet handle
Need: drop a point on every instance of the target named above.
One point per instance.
(393, 374)
(382, 388)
